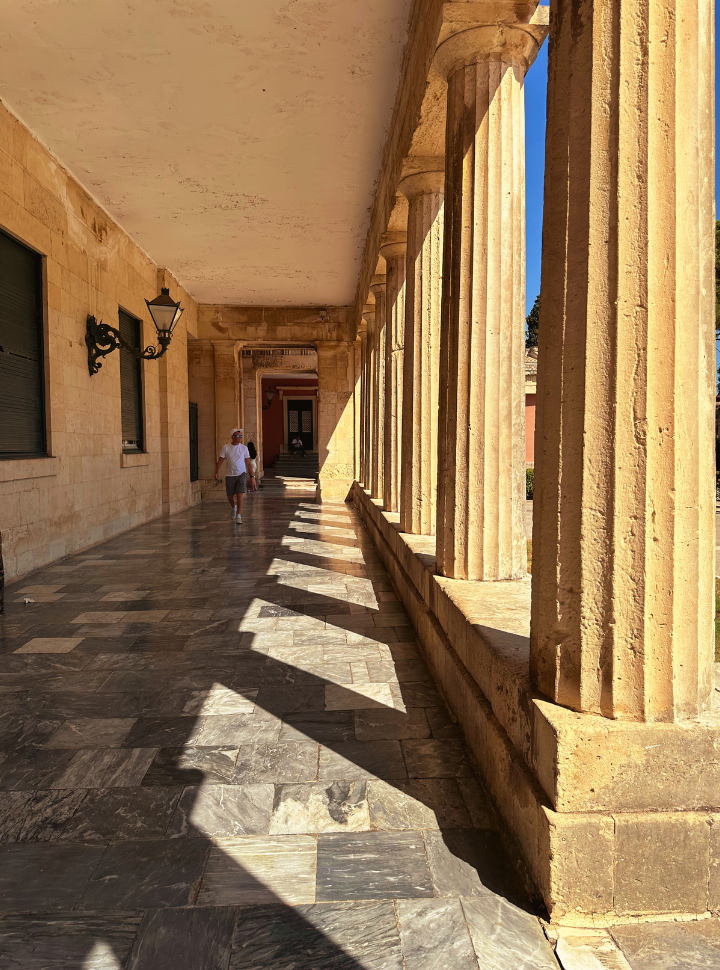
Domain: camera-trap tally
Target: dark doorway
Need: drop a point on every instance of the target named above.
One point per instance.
(300, 422)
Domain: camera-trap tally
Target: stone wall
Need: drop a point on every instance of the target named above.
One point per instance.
(87, 490)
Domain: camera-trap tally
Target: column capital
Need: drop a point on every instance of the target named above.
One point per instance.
(513, 43)
(377, 283)
(393, 244)
(423, 176)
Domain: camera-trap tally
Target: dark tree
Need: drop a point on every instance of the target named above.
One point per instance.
(531, 321)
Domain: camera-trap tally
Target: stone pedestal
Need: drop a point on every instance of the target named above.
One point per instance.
(228, 399)
(336, 450)
(481, 457)
(424, 191)
(377, 392)
(393, 251)
(624, 531)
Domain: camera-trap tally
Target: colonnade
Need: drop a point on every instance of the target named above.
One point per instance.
(623, 535)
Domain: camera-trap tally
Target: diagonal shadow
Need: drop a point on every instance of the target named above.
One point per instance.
(295, 694)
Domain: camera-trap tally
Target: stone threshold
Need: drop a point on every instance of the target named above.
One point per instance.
(593, 803)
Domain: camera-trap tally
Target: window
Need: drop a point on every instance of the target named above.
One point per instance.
(22, 391)
(131, 402)
(194, 443)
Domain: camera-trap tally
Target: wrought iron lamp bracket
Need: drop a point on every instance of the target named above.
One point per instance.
(101, 339)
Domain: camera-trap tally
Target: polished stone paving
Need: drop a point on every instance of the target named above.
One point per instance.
(220, 748)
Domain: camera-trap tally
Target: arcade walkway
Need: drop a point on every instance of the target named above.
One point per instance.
(221, 749)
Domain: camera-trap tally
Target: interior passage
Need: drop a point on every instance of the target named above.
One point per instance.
(221, 748)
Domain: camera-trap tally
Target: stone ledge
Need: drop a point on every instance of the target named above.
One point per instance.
(15, 470)
(132, 460)
(591, 802)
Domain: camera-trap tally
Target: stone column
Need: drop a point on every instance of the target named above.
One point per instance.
(623, 533)
(377, 397)
(424, 191)
(228, 401)
(368, 405)
(481, 455)
(363, 405)
(336, 450)
(357, 404)
(393, 248)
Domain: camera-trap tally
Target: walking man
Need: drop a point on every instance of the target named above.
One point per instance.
(239, 469)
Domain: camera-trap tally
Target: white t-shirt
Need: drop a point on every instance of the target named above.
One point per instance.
(235, 456)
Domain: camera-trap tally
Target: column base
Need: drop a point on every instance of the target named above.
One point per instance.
(616, 821)
(334, 489)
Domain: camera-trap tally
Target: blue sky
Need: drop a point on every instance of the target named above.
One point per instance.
(535, 95)
(535, 98)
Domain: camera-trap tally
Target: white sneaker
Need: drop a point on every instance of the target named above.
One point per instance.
(239, 518)
(234, 514)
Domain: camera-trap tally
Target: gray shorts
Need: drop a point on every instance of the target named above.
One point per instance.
(235, 484)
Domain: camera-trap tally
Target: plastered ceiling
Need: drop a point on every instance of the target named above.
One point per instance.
(237, 141)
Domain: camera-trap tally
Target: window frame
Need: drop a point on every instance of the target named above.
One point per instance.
(42, 317)
(142, 450)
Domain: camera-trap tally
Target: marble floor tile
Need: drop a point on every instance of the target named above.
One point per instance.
(45, 877)
(27, 731)
(163, 732)
(326, 936)
(417, 804)
(260, 870)
(433, 758)
(441, 724)
(237, 729)
(100, 617)
(36, 816)
(50, 645)
(67, 942)
(145, 875)
(338, 806)
(220, 700)
(223, 811)
(127, 595)
(434, 935)
(105, 768)
(357, 697)
(508, 938)
(472, 863)
(184, 939)
(91, 732)
(191, 766)
(32, 768)
(373, 865)
(351, 760)
(382, 724)
(288, 700)
(116, 814)
(291, 761)
(135, 680)
(321, 726)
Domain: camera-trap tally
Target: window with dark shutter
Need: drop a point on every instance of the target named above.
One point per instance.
(194, 443)
(131, 403)
(22, 386)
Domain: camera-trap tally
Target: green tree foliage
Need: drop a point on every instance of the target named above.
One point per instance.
(531, 320)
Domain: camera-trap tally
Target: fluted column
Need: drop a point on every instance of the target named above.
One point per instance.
(363, 406)
(623, 533)
(393, 251)
(369, 320)
(335, 411)
(377, 416)
(424, 192)
(481, 456)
